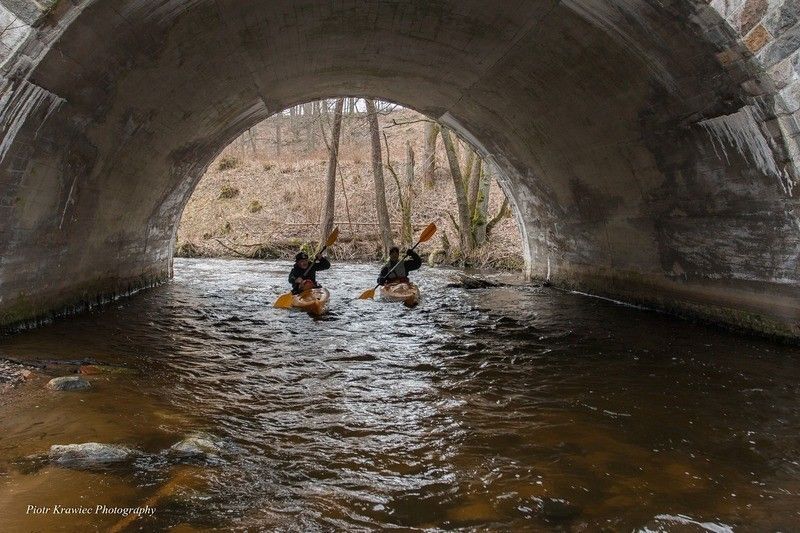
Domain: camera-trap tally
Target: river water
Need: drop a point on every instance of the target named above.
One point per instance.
(508, 408)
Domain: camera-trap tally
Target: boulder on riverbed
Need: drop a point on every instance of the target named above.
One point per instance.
(68, 383)
(197, 446)
(90, 454)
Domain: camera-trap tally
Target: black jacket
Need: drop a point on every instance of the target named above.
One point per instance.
(412, 263)
(297, 272)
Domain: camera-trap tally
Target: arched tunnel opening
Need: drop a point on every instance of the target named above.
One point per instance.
(264, 196)
(649, 151)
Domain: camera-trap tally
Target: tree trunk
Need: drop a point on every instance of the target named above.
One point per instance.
(481, 212)
(377, 173)
(429, 154)
(407, 230)
(308, 111)
(505, 211)
(461, 195)
(473, 184)
(252, 141)
(467, 172)
(330, 181)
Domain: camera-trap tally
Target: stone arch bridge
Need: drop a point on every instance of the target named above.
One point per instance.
(649, 146)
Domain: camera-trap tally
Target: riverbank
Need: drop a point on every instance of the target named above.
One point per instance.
(256, 203)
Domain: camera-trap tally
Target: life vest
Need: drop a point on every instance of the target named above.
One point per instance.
(398, 272)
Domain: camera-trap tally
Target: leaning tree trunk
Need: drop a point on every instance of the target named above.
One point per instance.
(330, 182)
(473, 183)
(464, 229)
(377, 174)
(429, 154)
(407, 231)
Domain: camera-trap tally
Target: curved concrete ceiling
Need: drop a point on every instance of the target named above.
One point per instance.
(648, 147)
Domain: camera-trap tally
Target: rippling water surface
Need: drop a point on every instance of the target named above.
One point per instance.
(507, 408)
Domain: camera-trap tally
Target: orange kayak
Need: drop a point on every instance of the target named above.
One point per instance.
(312, 301)
(404, 291)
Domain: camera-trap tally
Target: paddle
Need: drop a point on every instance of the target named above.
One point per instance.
(284, 301)
(426, 234)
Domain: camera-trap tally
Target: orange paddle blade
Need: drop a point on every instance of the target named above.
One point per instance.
(367, 294)
(428, 232)
(332, 237)
(284, 301)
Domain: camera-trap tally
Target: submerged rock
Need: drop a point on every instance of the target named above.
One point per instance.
(98, 368)
(90, 454)
(68, 383)
(556, 509)
(466, 281)
(89, 370)
(197, 445)
(12, 373)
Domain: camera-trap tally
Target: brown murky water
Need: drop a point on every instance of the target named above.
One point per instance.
(494, 409)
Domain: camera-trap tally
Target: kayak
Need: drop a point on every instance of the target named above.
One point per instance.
(312, 301)
(404, 291)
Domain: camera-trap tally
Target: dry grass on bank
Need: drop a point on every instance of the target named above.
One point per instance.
(260, 205)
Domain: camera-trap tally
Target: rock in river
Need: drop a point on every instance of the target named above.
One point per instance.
(197, 445)
(68, 383)
(89, 454)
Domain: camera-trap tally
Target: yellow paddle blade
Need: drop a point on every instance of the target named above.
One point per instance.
(428, 232)
(332, 237)
(284, 301)
(367, 294)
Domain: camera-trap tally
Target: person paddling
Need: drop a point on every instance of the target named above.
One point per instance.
(396, 271)
(304, 274)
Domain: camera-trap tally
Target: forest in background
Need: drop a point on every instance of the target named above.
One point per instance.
(288, 181)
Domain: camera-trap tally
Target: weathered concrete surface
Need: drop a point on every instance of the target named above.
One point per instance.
(650, 147)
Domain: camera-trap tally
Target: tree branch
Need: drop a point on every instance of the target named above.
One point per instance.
(505, 210)
(395, 123)
(237, 252)
(393, 173)
(453, 220)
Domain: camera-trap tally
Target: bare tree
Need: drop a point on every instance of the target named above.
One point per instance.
(252, 141)
(429, 153)
(463, 224)
(330, 182)
(308, 112)
(407, 232)
(474, 183)
(377, 174)
(481, 206)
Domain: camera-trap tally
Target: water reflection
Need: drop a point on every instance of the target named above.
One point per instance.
(503, 408)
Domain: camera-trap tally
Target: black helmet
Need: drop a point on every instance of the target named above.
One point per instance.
(300, 256)
(394, 249)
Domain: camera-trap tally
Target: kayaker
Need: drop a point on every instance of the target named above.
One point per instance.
(400, 272)
(302, 280)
